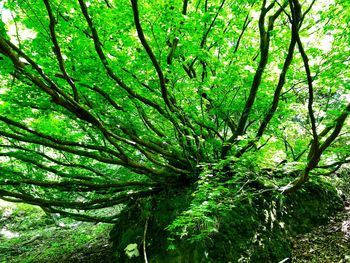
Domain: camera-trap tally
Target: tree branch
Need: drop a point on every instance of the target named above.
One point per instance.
(57, 50)
(151, 55)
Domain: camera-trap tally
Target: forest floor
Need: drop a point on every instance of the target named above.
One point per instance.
(27, 234)
(328, 243)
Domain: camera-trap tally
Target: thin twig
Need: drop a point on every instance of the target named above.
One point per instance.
(144, 241)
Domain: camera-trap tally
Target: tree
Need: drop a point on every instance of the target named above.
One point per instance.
(104, 102)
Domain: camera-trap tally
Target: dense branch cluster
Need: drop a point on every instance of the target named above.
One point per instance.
(107, 102)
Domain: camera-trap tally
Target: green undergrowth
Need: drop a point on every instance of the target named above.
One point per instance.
(30, 235)
(240, 221)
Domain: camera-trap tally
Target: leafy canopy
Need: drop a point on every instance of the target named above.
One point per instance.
(103, 102)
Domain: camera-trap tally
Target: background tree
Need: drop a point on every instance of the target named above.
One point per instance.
(104, 102)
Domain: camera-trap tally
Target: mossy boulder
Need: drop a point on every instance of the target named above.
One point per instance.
(256, 229)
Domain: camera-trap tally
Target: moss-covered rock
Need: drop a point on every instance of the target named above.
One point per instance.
(255, 229)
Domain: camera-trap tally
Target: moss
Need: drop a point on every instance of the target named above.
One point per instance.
(254, 230)
(38, 239)
(311, 205)
(159, 213)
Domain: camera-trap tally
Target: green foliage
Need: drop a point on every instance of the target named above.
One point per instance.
(211, 199)
(12, 218)
(29, 235)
